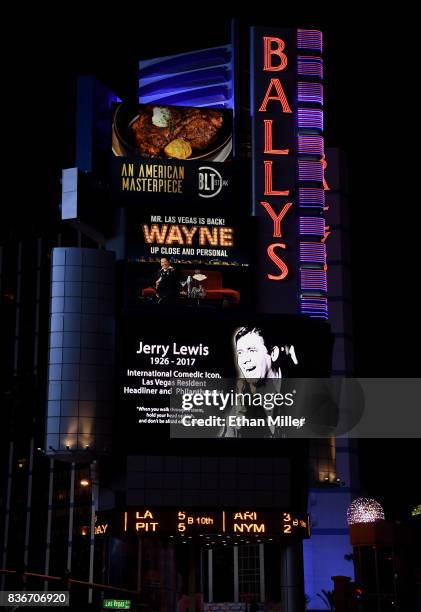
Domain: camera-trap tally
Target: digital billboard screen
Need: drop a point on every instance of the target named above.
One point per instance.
(206, 522)
(187, 259)
(168, 357)
(188, 285)
(187, 237)
(171, 152)
(177, 132)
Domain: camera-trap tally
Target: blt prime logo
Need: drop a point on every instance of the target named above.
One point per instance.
(210, 182)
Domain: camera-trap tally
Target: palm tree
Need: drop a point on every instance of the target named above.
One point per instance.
(327, 598)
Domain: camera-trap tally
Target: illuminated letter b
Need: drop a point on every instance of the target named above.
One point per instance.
(269, 51)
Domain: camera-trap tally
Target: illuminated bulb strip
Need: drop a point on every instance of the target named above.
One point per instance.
(314, 307)
(318, 302)
(312, 226)
(310, 171)
(314, 314)
(310, 39)
(312, 283)
(310, 66)
(310, 92)
(319, 247)
(313, 275)
(311, 197)
(313, 279)
(311, 145)
(310, 119)
(313, 252)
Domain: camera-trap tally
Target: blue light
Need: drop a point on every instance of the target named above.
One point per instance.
(310, 39)
(313, 252)
(310, 171)
(310, 66)
(312, 226)
(311, 197)
(310, 118)
(310, 92)
(198, 78)
(311, 145)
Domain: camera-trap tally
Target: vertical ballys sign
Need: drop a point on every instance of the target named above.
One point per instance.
(287, 144)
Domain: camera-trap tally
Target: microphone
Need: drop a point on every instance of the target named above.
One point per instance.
(290, 350)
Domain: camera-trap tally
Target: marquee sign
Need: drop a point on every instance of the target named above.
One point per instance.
(288, 152)
(238, 522)
(187, 237)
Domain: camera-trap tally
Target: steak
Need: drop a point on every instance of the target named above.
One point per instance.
(198, 126)
(150, 139)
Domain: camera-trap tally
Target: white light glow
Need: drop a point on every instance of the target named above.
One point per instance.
(364, 510)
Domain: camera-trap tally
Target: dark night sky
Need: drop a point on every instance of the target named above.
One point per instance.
(364, 63)
(362, 67)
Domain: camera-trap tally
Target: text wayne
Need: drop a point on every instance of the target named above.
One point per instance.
(169, 234)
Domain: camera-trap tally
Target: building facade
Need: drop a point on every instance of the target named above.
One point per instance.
(100, 481)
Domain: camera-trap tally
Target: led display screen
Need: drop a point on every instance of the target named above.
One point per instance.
(171, 153)
(193, 258)
(202, 522)
(209, 522)
(172, 132)
(168, 356)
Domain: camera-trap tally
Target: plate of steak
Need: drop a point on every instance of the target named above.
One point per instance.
(179, 132)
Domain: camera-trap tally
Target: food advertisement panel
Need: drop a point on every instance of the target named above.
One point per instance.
(171, 152)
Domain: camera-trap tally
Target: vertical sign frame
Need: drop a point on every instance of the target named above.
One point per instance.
(287, 170)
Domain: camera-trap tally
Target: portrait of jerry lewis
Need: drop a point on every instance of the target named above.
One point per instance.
(259, 356)
(260, 362)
